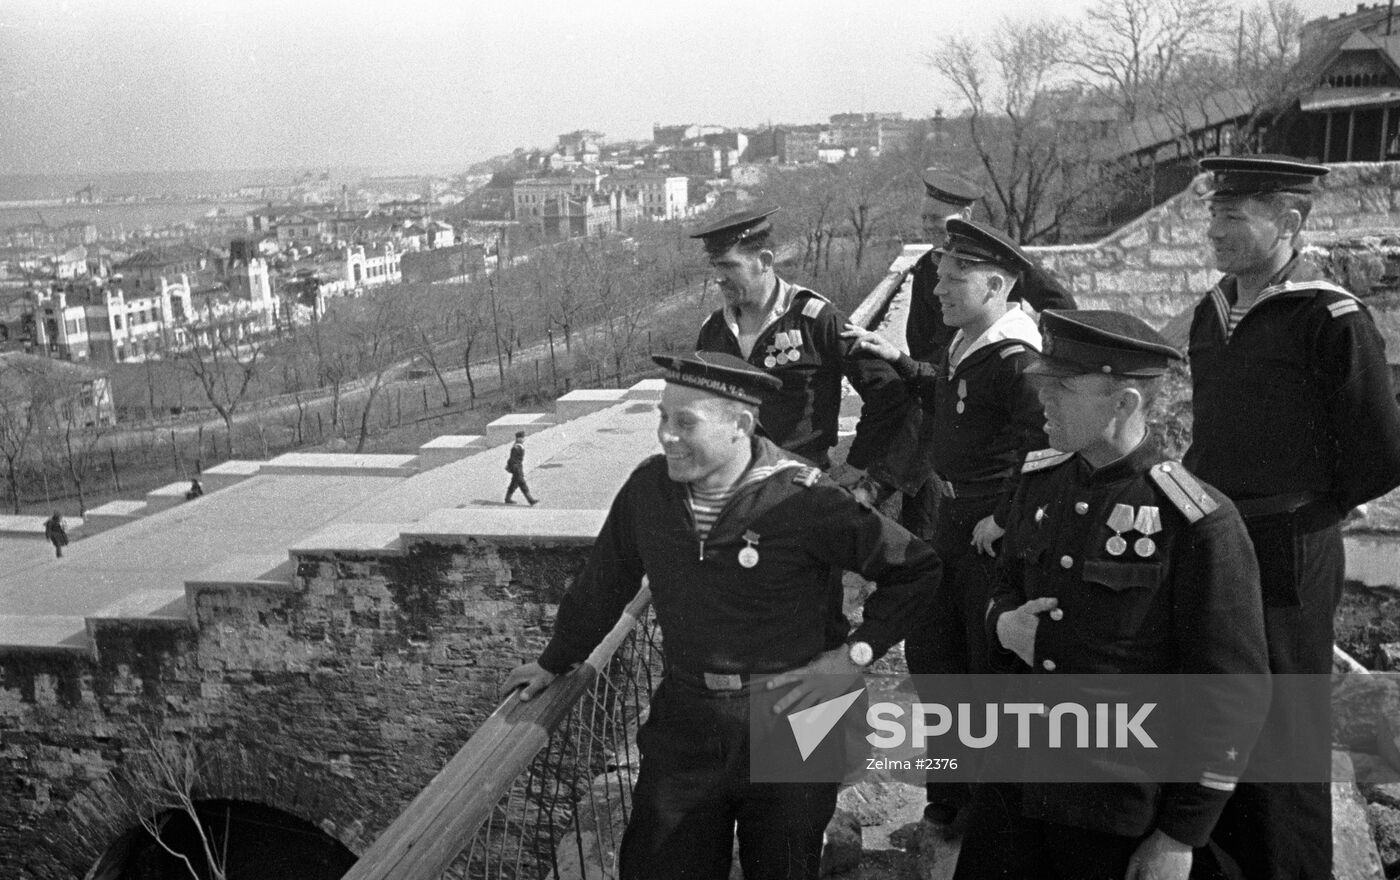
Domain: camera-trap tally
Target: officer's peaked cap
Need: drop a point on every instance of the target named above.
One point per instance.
(950, 188)
(976, 243)
(1235, 176)
(729, 230)
(1079, 342)
(718, 373)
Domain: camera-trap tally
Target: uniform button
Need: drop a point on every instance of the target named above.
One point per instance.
(1066, 562)
(1081, 508)
(1047, 665)
(1057, 614)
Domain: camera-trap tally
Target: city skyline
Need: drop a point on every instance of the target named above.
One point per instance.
(97, 87)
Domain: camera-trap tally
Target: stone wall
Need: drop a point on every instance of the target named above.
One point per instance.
(334, 699)
(1159, 265)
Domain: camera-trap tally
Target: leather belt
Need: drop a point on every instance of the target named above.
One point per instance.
(721, 682)
(1275, 505)
(973, 490)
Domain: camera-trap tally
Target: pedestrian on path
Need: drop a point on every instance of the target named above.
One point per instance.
(57, 535)
(515, 466)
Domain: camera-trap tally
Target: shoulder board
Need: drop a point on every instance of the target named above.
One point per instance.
(1290, 287)
(812, 308)
(1010, 350)
(1046, 461)
(1343, 307)
(1183, 490)
(806, 476)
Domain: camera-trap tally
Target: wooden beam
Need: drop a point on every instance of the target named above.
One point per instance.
(1351, 134)
(1327, 137)
(439, 823)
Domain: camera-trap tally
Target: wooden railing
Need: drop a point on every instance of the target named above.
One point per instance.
(443, 820)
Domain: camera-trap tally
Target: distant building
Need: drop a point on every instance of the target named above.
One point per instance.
(78, 395)
(699, 160)
(797, 145)
(661, 196)
(372, 268)
(676, 135)
(132, 318)
(594, 214)
(298, 229)
(532, 194)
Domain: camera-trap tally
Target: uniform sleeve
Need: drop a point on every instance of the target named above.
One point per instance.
(1218, 619)
(712, 335)
(610, 580)
(882, 392)
(904, 569)
(1025, 425)
(1041, 290)
(1360, 404)
(1008, 585)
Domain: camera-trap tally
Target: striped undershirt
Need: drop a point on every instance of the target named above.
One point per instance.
(706, 506)
(1237, 312)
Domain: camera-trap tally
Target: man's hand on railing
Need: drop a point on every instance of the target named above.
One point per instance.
(869, 340)
(530, 679)
(827, 677)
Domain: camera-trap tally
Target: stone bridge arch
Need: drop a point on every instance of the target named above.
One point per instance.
(93, 839)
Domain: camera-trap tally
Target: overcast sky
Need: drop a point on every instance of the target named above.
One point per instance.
(114, 85)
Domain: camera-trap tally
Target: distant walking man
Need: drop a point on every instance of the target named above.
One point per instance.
(1295, 420)
(57, 535)
(515, 466)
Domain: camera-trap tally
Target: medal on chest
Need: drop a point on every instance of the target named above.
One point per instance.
(962, 396)
(748, 557)
(1120, 521)
(1148, 523)
(1145, 520)
(786, 348)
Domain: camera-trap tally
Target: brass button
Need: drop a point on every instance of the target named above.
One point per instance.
(1056, 614)
(1081, 508)
(1047, 665)
(1066, 562)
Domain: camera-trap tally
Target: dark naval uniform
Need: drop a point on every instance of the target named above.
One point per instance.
(1179, 594)
(724, 621)
(1153, 574)
(1296, 421)
(925, 334)
(980, 419)
(927, 339)
(803, 347)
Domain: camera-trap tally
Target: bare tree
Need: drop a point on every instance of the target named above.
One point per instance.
(224, 366)
(863, 190)
(78, 450)
(1129, 51)
(375, 335)
(29, 396)
(159, 781)
(1020, 110)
